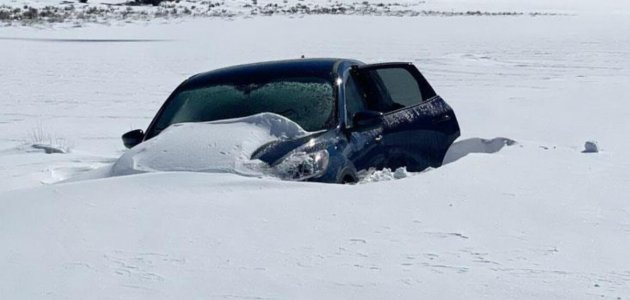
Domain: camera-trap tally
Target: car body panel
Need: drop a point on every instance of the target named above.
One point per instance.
(419, 136)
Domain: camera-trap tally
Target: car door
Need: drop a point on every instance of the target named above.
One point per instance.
(364, 142)
(418, 125)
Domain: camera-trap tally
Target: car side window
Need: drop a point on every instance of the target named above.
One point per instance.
(395, 88)
(355, 102)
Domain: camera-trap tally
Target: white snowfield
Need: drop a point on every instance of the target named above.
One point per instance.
(518, 211)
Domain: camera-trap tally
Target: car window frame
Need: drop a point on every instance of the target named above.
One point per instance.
(426, 90)
(348, 75)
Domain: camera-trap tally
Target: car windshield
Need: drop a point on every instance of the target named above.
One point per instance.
(307, 101)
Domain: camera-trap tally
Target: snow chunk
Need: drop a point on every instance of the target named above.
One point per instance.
(223, 146)
(591, 147)
(386, 174)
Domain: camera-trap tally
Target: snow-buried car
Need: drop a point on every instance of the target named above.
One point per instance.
(305, 119)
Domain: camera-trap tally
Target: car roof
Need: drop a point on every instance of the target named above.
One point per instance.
(299, 67)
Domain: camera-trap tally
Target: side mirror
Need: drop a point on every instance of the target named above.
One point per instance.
(367, 119)
(133, 138)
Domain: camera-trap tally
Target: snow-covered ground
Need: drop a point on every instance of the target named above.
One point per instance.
(518, 211)
(44, 13)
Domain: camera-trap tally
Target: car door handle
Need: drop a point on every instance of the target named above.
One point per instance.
(441, 119)
(378, 138)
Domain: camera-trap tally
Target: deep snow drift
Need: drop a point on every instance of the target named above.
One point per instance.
(518, 212)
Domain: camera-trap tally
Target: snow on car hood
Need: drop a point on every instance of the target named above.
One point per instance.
(219, 146)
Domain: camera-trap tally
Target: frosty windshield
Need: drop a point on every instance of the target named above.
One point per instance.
(307, 101)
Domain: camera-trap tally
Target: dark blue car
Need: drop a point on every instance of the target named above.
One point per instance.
(359, 116)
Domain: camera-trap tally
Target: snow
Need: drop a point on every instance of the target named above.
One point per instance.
(219, 146)
(372, 175)
(48, 13)
(163, 235)
(518, 211)
(464, 147)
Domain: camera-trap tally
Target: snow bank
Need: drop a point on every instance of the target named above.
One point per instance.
(221, 146)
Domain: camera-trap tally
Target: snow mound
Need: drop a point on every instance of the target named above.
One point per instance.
(220, 146)
(462, 148)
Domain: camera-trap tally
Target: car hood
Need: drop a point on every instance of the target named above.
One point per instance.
(225, 146)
